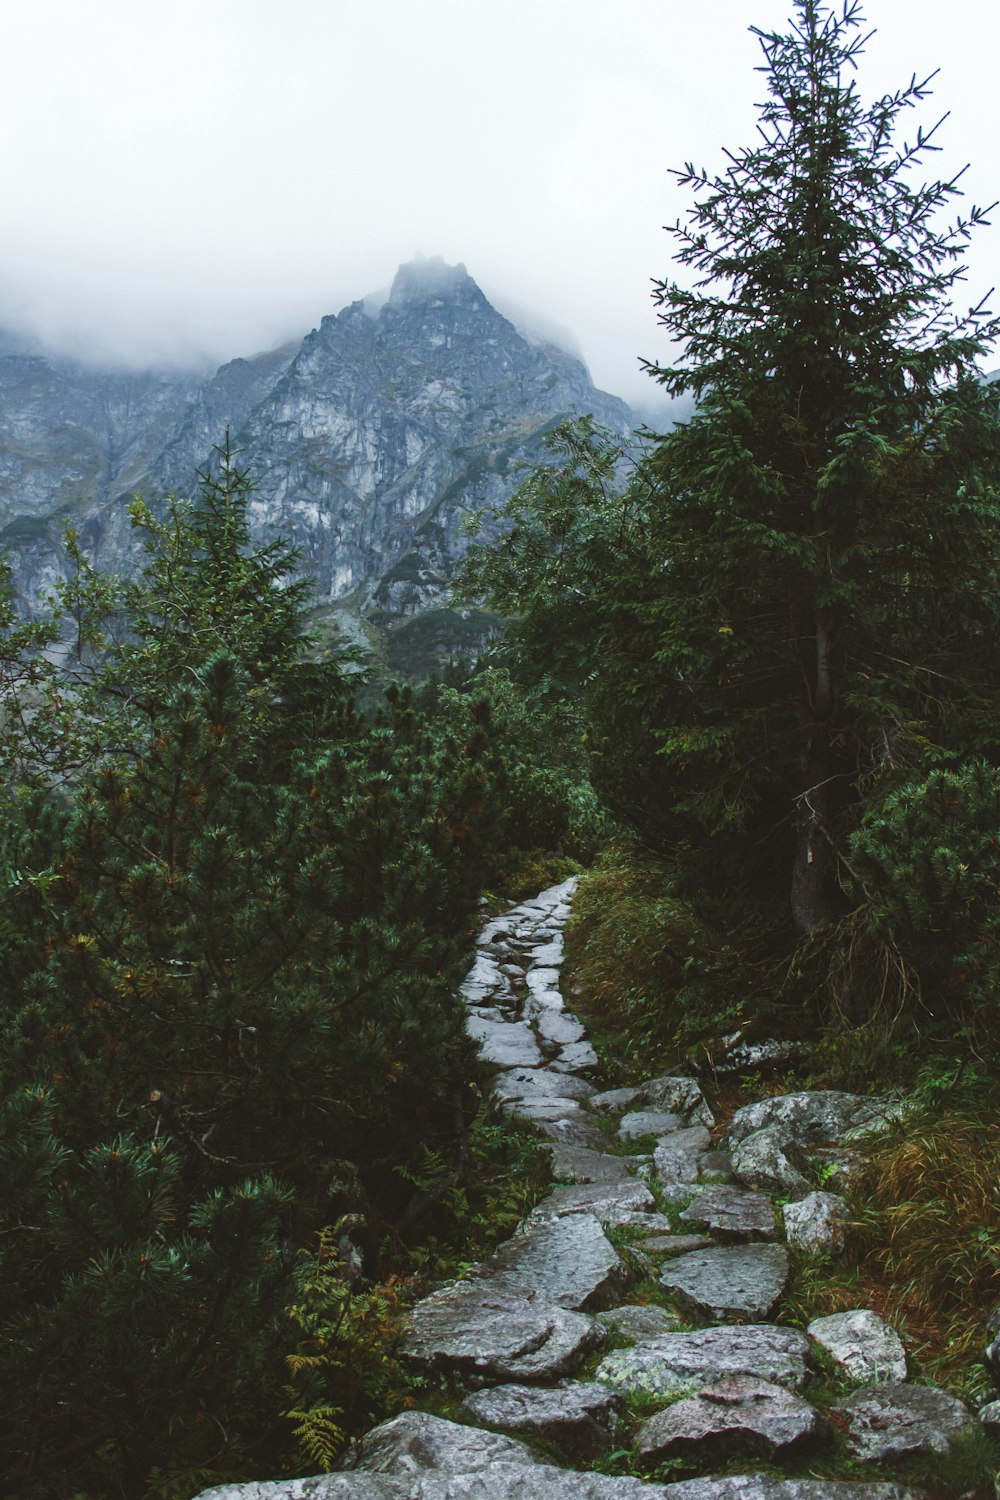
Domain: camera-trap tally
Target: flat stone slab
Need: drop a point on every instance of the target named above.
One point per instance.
(538, 1084)
(862, 1345)
(816, 1223)
(609, 1202)
(642, 1122)
(569, 1262)
(507, 1044)
(680, 1362)
(889, 1422)
(485, 1334)
(547, 955)
(728, 1282)
(557, 1026)
(732, 1213)
(577, 1057)
(740, 1414)
(532, 1111)
(639, 1322)
(767, 1487)
(582, 1417)
(677, 1155)
(578, 1164)
(573, 1132)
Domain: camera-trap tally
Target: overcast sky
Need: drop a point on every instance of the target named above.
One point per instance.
(209, 177)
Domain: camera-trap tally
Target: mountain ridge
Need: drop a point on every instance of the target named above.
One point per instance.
(371, 440)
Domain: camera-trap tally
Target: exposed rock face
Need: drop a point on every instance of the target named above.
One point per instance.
(371, 441)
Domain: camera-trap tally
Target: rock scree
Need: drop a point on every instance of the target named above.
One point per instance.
(518, 1329)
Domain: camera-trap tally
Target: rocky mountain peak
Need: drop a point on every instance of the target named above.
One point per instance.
(370, 442)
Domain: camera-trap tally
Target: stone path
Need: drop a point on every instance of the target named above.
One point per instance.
(516, 1332)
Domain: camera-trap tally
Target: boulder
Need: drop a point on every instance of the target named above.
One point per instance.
(568, 1262)
(740, 1414)
(557, 1027)
(765, 1159)
(861, 1345)
(581, 1417)
(486, 1335)
(577, 1131)
(811, 1119)
(679, 1362)
(577, 1057)
(732, 1213)
(890, 1422)
(728, 1282)
(816, 1223)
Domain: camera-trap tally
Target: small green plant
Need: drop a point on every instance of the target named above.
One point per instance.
(342, 1371)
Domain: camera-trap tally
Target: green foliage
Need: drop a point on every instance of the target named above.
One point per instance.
(927, 861)
(788, 607)
(647, 966)
(345, 1339)
(233, 946)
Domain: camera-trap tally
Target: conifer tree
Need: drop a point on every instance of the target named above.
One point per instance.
(791, 607)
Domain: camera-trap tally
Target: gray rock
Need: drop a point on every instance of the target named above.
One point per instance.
(573, 1132)
(415, 1440)
(888, 1422)
(732, 1213)
(680, 1094)
(613, 1101)
(582, 1417)
(610, 1203)
(768, 1487)
(569, 1262)
(989, 1415)
(578, 1164)
(533, 1111)
(680, 1362)
(991, 1358)
(760, 1057)
(639, 1322)
(533, 1084)
(816, 1223)
(557, 1027)
(316, 1487)
(547, 955)
(575, 1058)
(676, 1244)
(716, 1166)
(728, 1282)
(678, 1155)
(484, 978)
(812, 1119)
(507, 1044)
(766, 1160)
(740, 1414)
(861, 1345)
(647, 1122)
(487, 1335)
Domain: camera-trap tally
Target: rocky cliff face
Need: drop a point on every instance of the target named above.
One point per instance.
(371, 441)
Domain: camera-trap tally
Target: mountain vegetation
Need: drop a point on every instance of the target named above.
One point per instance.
(783, 623)
(751, 672)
